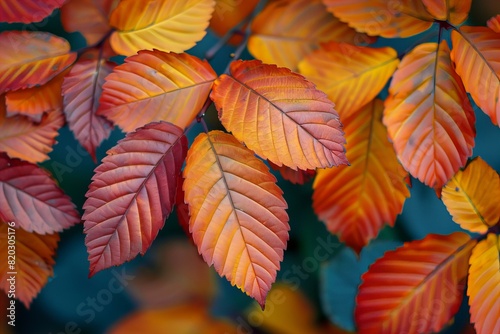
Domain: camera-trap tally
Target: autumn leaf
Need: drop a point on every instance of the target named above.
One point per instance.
(416, 288)
(287, 30)
(474, 54)
(389, 19)
(472, 202)
(279, 115)
(428, 115)
(292, 312)
(27, 11)
(88, 17)
(35, 101)
(228, 14)
(494, 23)
(82, 89)
(21, 138)
(33, 261)
(132, 193)
(483, 287)
(174, 274)
(30, 58)
(453, 11)
(32, 199)
(350, 75)
(171, 87)
(180, 319)
(298, 176)
(181, 207)
(238, 218)
(162, 24)
(356, 201)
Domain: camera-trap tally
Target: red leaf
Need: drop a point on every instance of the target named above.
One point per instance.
(81, 89)
(26, 11)
(416, 288)
(181, 207)
(298, 176)
(21, 138)
(33, 261)
(132, 193)
(31, 58)
(32, 199)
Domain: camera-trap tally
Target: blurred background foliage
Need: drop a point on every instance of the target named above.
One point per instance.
(316, 284)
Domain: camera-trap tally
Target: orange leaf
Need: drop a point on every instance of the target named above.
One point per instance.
(163, 24)
(229, 13)
(82, 89)
(132, 193)
(475, 54)
(350, 75)
(494, 23)
(356, 201)
(88, 17)
(172, 87)
(31, 58)
(472, 202)
(32, 199)
(238, 218)
(453, 11)
(33, 261)
(298, 176)
(287, 30)
(35, 101)
(182, 319)
(416, 288)
(23, 139)
(428, 115)
(483, 286)
(279, 115)
(27, 11)
(382, 18)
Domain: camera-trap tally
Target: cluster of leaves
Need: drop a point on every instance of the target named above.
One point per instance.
(220, 185)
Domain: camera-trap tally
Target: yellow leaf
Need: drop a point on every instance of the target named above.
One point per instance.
(384, 18)
(159, 24)
(287, 30)
(287, 311)
(472, 202)
(350, 75)
(483, 286)
(183, 319)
